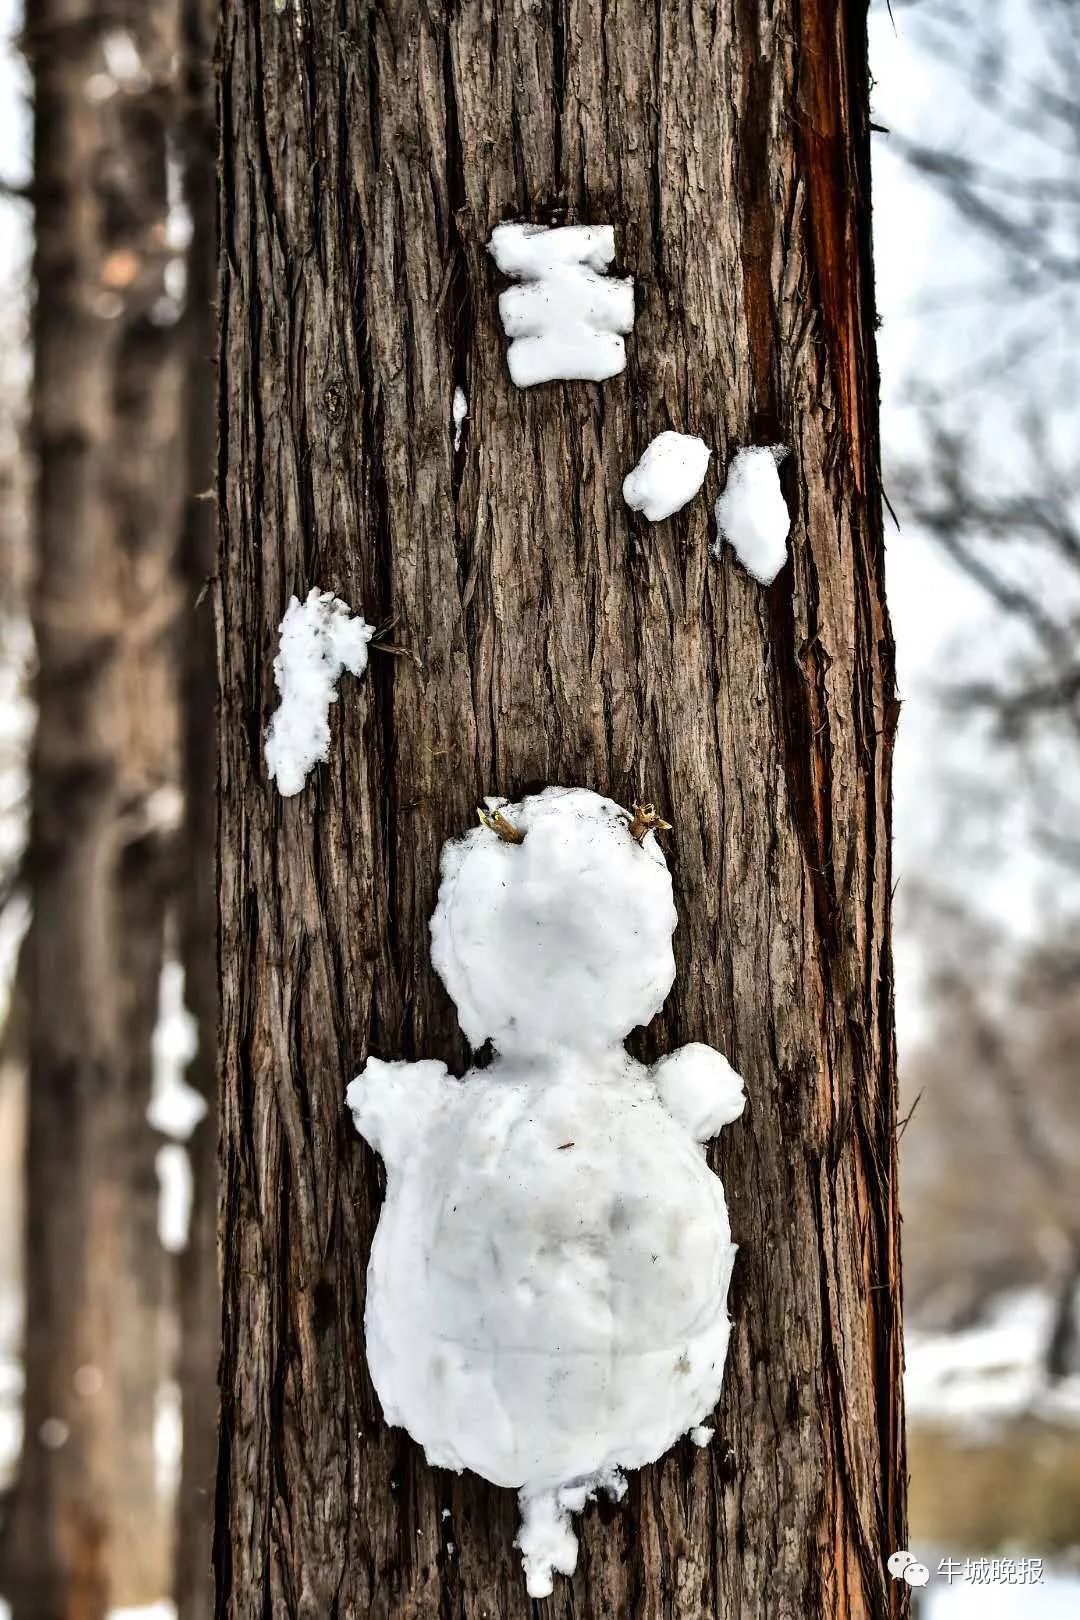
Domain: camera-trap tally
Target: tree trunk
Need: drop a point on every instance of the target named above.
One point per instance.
(136, 1307)
(558, 638)
(200, 1296)
(89, 1527)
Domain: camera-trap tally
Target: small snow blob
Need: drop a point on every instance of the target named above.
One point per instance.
(459, 411)
(319, 638)
(702, 1434)
(547, 1288)
(566, 319)
(752, 514)
(669, 474)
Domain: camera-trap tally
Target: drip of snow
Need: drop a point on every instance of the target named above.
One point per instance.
(702, 1434)
(566, 318)
(547, 1288)
(318, 640)
(546, 1538)
(460, 411)
(752, 515)
(669, 474)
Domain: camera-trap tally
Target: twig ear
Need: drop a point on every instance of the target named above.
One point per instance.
(501, 827)
(646, 819)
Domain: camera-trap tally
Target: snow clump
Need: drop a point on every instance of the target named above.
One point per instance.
(566, 318)
(319, 638)
(459, 411)
(669, 474)
(752, 515)
(547, 1288)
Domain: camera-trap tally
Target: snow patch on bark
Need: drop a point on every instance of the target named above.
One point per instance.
(566, 319)
(669, 474)
(459, 411)
(752, 515)
(319, 639)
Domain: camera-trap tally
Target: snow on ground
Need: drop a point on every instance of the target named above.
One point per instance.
(1055, 1597)
(752, 515)
(319, 639)
(669, 474)
(152, 1611)
(566, 319)
(989, 1372)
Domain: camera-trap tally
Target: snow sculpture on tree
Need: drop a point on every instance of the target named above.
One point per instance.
(547, 1289)
(566, 319)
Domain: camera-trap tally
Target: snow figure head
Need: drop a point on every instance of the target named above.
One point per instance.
(547, 1289)
(562, 939)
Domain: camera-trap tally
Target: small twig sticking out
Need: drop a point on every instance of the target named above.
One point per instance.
(398, 652)
(646, 819)
(380, 642)
(501, 827)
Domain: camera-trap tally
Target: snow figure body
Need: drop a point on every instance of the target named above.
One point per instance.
(547, 1290)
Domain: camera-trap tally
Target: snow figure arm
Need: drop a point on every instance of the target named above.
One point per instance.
(392, 1102)
(698, 1086)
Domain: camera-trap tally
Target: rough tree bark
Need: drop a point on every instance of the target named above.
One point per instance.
(199, 1292)
(368, 150)
(88, 1526)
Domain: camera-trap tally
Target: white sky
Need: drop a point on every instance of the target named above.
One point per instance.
(933, 607)
(943, 623)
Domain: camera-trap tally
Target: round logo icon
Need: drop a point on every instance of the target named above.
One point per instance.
(899, 1561)
(916, 1574)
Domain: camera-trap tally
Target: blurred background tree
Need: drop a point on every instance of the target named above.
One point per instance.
(119, 435)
